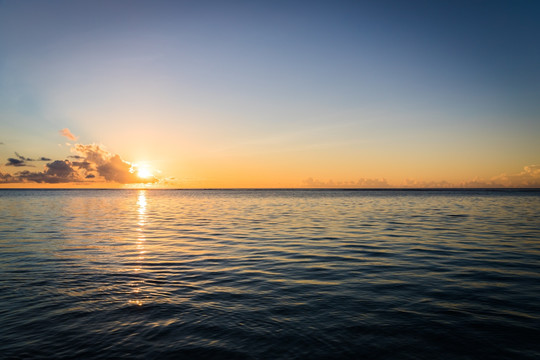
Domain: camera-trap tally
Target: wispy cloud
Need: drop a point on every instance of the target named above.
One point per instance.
(65, 132)
(22, 157)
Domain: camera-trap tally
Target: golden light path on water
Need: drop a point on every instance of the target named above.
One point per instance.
(269, 274)
(140, 242)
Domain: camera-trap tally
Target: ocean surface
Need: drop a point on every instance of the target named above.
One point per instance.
(269, 274)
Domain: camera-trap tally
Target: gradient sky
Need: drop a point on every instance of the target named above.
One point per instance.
(276, 93)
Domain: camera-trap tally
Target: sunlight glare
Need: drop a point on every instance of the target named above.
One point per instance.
(144, 172)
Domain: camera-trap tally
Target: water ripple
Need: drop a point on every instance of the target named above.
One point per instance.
(269, 274)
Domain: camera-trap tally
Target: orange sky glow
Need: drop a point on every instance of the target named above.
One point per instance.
(186, 95)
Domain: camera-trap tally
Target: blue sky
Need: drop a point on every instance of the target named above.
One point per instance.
(331, 90)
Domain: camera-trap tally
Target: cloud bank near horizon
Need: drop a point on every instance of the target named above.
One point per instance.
(529, 177)
(90, 164)
(360, 183)
(93, 164)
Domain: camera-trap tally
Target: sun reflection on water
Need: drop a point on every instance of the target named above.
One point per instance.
(140, 249)
(141, 204)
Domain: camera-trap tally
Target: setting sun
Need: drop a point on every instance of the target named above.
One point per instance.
(144, 172)
(270, 179)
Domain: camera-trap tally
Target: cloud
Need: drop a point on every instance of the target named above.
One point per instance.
(360, 183)
(93, 153)
(411, 183)
(84, 165)
(92, 163)
(16, 162)
(7, 178)
(62, 169)
(42, 158)
(65, 132)
(529, 177)
(22, 157)
(21, 160)
(58, 171)
(109, 166)
(119, 171)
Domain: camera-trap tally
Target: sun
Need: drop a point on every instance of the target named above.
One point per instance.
(144, 173)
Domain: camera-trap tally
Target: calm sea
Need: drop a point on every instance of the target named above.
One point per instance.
(266, 274)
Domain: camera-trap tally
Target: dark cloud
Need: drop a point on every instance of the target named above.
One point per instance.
(93, 164)
(22, 160)
(61, 169)
(38, 177)
(7, 178)
(22, 157)
(16, 162)
(83, 165)
(30, 159)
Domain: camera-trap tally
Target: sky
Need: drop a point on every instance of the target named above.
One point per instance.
(241, 94)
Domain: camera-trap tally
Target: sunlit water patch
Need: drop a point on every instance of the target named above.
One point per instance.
(269, 274)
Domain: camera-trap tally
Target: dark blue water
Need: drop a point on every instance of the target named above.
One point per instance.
(269, 274)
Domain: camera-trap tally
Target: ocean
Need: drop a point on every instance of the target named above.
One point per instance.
(270, 274)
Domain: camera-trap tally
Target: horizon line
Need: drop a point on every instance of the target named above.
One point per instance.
(291, 188)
